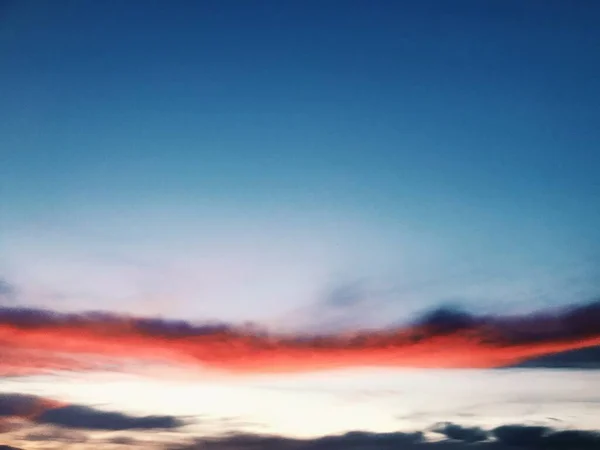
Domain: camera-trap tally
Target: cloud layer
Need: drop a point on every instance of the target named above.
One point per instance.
(33, 341)
(523, 437)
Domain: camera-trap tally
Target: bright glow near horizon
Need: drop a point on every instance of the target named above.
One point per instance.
(318, 404)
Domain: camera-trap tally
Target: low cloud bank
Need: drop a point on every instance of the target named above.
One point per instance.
(75, 424)
(523, 437)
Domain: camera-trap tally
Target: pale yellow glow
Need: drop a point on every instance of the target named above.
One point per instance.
(318, 404)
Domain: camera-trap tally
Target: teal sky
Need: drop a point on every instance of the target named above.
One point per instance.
(243, 160)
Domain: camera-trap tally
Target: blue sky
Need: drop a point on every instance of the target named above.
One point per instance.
(308, 165)
(240, 160)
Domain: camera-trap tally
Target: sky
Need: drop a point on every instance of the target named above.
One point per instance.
(184, 158)
(300, 168)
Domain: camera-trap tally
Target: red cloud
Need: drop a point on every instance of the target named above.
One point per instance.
(33, 341)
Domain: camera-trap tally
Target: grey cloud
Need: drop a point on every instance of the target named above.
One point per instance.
(571, 439)
(567, 323)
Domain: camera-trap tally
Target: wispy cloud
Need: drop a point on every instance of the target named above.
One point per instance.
(8, 292)
(56, 434)
(37, 340)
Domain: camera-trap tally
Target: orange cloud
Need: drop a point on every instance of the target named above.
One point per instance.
(33, 341)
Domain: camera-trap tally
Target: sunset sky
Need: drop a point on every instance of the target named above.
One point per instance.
(297, 218)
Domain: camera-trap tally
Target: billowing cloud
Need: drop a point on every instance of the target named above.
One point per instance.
(36, 340)
(40, 410)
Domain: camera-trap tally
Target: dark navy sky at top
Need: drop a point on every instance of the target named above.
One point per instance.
(423, 111)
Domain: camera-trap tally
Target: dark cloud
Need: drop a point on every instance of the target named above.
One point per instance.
(573, 322)
(39, 410)
(353, 440)
(83, 417)
(9, 447)
(583, 358)
(460, 433)
(363, 439)
(560, 324)
(21, 405)
(582, 320)
(446, 320)
(112, 323)
(536, 437)
(520, 435)
(567, 323)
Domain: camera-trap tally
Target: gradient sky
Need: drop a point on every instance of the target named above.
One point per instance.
(308, 165)
(239, 160)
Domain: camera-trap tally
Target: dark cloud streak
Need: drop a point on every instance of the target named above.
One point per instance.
(84, 417)
(40, 410)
